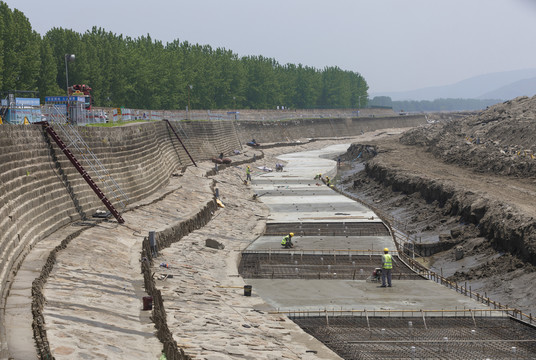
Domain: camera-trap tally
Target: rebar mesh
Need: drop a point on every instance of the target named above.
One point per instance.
(328, 229)
(353, 337)
(264, 265)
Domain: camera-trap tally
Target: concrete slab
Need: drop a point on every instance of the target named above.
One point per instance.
(285, 295)
(296, 192)
(306, 164)
(326, 200)
(323, 216)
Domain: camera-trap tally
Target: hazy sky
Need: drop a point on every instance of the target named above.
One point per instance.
(395, 44)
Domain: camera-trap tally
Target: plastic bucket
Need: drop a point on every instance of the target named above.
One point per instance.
(147, 303)
(247, 290)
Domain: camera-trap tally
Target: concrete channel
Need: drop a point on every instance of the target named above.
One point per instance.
(325, 282)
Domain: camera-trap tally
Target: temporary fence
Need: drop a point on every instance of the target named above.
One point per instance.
(57, 114)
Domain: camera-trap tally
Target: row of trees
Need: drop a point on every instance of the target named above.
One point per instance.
(444, 105)
(144, 73)
(435, 105)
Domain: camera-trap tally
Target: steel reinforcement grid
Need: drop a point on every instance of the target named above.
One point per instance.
(328, 229)
(263, 265)
(353, 337)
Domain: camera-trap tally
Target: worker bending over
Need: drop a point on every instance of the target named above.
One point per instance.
(287, 241)
(387, 267)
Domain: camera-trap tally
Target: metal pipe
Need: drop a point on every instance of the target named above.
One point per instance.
(178, 138)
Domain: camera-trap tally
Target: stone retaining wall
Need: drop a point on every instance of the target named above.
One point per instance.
(291, 130)
(40, 190)
(251, 114)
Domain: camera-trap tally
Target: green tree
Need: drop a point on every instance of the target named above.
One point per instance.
(47, 74)
(382, 101)
(143, 73)
(20, 51)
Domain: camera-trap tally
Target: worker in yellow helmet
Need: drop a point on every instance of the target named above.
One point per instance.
(387, 267)
(287, 241)
(248, 174)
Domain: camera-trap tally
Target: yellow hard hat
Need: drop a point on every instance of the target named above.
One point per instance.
(291, 234)
(386, 249)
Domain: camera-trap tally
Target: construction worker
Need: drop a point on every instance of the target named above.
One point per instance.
(318, 176)
(287, 241)
(328, 183)
(248, 174)
(387, 267)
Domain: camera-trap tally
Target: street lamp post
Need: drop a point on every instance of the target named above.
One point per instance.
(68, 57)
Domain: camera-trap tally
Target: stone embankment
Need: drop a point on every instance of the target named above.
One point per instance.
(253, 115)
(41, 192)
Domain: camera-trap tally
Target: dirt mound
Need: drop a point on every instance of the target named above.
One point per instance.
(465, 183)
(500, 140)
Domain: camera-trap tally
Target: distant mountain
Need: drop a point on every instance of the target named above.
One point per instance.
(478, 87)
(522, 87)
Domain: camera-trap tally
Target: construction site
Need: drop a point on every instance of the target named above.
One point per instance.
(135, 242)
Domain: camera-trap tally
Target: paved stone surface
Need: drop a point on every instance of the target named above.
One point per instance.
(94, 293)
(18, 315)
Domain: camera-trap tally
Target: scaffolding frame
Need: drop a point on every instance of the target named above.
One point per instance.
(77, 142)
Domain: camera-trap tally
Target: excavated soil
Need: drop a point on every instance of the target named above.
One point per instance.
(464, 184)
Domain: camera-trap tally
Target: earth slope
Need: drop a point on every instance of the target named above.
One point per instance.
(467, 182)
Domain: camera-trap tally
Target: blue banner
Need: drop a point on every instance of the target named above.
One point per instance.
(55, 98)
(64, 98)
(27, 102)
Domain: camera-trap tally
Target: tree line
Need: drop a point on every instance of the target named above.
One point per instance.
(144, 73)
(435, 105)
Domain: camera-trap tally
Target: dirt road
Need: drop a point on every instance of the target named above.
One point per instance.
(519, 193)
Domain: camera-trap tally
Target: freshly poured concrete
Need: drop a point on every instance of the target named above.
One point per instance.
(286, 295)
(294, 196)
